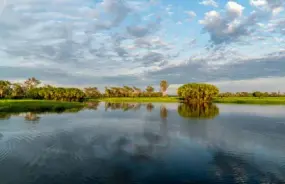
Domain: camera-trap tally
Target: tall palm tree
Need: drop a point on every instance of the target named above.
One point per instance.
(163, 87)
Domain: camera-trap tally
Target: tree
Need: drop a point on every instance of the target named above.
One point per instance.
(17, 91)
(92, 92)
(257, 94)
(163, 87)
(195, 92)
(5, 88)
(31, 83)
(149, 89)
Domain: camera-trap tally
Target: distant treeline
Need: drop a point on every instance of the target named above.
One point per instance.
(30, 89)
(253, 94)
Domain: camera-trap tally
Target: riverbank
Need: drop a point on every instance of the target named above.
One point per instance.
(38, 106)
(251, 100)
(139, 99)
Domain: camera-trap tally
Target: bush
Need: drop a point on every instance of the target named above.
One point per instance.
(194, 92)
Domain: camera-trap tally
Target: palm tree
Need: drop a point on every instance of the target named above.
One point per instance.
(31, 83)
(163, 87)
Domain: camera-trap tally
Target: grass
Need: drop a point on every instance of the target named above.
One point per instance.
(38, 106)
(140, 99)
(251, 100)
(26, 105)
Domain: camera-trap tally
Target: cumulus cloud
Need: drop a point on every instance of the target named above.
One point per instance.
(230, 26)
(234, 9)
(209, 3)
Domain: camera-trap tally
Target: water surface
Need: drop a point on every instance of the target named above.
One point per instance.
(145, 143)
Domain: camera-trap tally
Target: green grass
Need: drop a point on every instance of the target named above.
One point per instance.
(38, 106)
(140, 99)
(251, 100)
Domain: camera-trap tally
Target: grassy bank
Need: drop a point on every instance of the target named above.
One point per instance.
(38, 106)
(140, 99)
(251, 100)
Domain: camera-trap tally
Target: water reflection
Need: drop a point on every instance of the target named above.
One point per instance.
(149, 107)
(32, 117)
(198, 110)
(36, 116)
(92, 105)
(122, 106)
(142, 147)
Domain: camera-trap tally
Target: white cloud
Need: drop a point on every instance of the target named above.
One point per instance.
(277, 10)
(273, 6)
(234, 9)
(258, 3)
(209, 3)
(191, 14)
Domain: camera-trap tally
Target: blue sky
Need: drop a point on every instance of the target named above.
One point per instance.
(237, 45)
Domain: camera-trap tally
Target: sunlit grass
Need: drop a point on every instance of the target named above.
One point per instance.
(37, 105)
(251, 100)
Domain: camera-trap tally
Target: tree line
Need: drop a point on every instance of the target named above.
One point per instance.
(30, 89)
(253, 94)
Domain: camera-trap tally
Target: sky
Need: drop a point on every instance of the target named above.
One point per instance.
(238, 45)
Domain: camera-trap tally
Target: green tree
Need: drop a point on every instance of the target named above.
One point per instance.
(31, 83)
(5, 89)
(257, 94)
(163, 87)
(17, 91)
(149, 89)
(195, 92)
(92, 92)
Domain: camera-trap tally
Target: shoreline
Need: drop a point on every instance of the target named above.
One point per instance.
(30, 105)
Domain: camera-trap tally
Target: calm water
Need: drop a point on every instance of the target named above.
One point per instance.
(145, 143)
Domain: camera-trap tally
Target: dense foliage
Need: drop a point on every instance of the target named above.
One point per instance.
(30, 89)
(198, 110)
(127, 91)
(194, 92)
(254, 94)
(54, 93)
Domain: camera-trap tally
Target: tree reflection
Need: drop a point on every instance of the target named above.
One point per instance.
(123, 106)
(198, 110)
(163, 112)
(5, 116)
(33, 117)
(92, 105)
(149, 107)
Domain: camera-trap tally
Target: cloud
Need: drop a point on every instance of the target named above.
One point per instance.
(234, 9)
(209, 68)
(209, 3)
(230, 26)
(273, 6)
(144, 30)
(191, 14)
